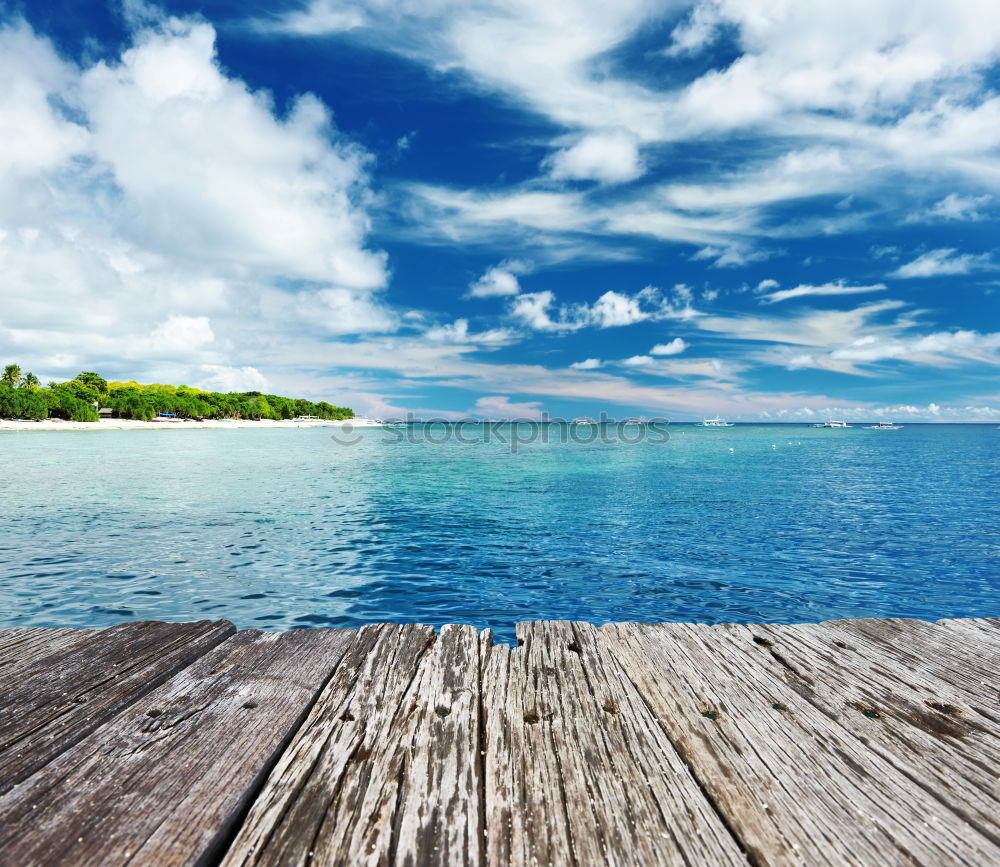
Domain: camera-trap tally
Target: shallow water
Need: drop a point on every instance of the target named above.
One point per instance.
(286, 528)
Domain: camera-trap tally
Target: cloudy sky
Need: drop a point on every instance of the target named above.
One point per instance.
(763, 209)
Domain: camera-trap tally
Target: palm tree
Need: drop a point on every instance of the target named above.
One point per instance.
(30, 381)
(12, 375)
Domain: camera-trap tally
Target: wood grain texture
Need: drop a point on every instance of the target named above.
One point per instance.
(578, 771)
(871, 742)
(793, 784)
(970, 663)
(920, 725)
(385, 769)
(165, 782)
(67, 694)
(983, 632)
(22, 650)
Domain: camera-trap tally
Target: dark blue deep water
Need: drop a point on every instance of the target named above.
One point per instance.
(285, 528)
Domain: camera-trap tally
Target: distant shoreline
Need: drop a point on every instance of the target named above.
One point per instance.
(174, 424)
(49, 424)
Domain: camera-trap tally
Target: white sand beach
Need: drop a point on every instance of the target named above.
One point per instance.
(52, 424)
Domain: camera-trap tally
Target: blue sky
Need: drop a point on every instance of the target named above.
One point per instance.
(740, 207)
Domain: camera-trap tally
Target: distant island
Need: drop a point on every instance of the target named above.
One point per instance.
(88, 397)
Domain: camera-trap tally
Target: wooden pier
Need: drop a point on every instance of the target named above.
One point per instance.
(849, 742)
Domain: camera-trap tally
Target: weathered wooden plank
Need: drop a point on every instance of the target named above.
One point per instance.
(81, 686)
(10, 638)
(165, 782)
(792, 783)
(439, 801)
(385, 770)
(978, 631)
(578, 771)
(936, 651)
(24, 649)
(920, 725)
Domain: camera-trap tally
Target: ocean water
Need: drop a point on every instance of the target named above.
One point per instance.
(280, 529)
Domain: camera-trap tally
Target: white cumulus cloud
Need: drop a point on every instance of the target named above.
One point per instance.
(539, 311)
(218, 377)
(181, 334)
(160, 218)
(674, 347)
(500, 279)
(609, 157)
(614, 309)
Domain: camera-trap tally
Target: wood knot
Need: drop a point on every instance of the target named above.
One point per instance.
(531, 717)
(866, 710)
(154, 712)
(442, 711)
(713, 715)
(573, 646)
(946, 709)
(250, 705)
(763, 642)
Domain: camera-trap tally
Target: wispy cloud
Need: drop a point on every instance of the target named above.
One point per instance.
(944, 262)
(831, 100)
(459, 332)
(936, 348)
(805, 290)
(812, 328)
(501, 406)
(955, 207)
(940, 349)
(732, 256)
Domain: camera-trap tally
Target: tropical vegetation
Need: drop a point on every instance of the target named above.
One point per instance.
(79, 399)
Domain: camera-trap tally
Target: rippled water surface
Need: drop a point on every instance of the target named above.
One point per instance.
(285, 528)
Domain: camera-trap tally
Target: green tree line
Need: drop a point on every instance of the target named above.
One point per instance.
(23, 396)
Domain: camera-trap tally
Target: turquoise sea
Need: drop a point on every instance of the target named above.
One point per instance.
(280, 529)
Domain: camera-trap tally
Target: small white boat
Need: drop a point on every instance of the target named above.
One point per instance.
(584, 421)
(837, 424)
(714, 422)
(884, 425)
